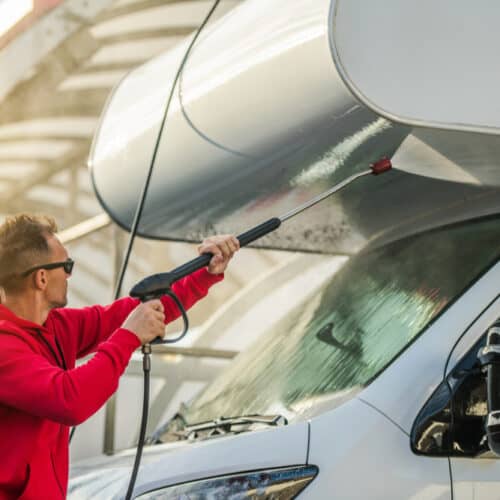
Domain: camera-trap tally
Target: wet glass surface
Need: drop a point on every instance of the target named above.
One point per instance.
(342, 337)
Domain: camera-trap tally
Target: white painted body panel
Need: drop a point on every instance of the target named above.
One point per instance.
(362, 447)
(274, 80)
(362, 455)
(239, 101)
(427, 65)
(422, 63)
(476, 478)
(179, 462)
(242, 72)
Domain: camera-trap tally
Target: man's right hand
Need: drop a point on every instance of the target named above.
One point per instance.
(147, 321)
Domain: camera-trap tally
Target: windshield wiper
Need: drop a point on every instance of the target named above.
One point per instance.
(325, 334)
(176, 428)
(226, 425)
(171, 427)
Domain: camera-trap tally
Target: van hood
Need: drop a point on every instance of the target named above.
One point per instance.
(173, 463)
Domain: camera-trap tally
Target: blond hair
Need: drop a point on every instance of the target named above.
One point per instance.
(23, 244)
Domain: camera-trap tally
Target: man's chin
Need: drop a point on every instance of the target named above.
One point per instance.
(58, 305)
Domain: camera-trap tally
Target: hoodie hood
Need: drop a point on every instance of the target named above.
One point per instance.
(7, 316)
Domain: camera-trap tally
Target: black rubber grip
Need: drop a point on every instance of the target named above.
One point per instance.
(258, 231)
(158, 284)
(191, 266)
(244, 239)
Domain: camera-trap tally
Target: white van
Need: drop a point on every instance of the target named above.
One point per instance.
(371, 389)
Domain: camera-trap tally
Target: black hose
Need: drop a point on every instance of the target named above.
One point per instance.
(147, 348)
(184, 317)
(146, 365)
(140, 206)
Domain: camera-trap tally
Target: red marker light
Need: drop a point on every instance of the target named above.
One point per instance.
(381, 166)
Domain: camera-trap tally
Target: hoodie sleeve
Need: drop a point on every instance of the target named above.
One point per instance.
(95, 324)
(32, 384)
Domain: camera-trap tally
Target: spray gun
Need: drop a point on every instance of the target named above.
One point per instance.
(157, 285)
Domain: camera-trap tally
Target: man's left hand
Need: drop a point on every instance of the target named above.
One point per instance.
(222, 247)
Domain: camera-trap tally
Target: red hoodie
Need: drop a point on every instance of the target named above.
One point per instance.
(42, 394)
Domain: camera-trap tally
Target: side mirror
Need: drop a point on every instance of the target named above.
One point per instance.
(489, 358)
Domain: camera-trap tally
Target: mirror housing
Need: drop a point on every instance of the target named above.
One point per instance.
(489, 358)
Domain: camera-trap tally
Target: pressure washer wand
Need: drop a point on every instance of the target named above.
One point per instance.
(158, 284)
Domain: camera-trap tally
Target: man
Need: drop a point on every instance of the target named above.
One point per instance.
(42, 394)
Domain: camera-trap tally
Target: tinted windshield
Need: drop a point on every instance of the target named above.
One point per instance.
(353, 327)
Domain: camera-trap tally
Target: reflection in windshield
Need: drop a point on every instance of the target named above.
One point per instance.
(340, 338)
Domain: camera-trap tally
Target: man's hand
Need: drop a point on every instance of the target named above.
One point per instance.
(223, 248)
(147, 321)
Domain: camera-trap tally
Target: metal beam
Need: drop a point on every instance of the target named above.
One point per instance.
(178, 31)
(195, 352)
(44, 136)
(84, 228)
(37, 206)
(110, 409)
(75, 156)
(25, 53)
(121, 10)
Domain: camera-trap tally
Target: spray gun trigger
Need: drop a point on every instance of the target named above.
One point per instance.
(153, 286)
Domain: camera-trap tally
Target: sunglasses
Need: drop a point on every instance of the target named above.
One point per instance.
(67, 265)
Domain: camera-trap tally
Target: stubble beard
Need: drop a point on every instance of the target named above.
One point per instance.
(55, 304)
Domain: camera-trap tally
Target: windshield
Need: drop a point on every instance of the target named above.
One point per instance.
(344, 335)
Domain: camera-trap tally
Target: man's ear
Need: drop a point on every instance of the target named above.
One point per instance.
(40, 279)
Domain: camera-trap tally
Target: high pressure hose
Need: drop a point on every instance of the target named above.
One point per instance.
(146, 349)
